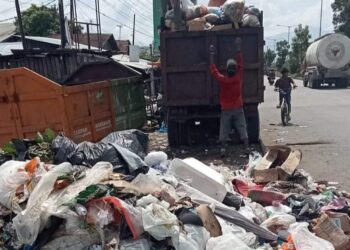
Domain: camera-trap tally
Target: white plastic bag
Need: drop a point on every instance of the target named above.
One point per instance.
(157, 160)
(279, 222)
(193, 238)
(226, 242)
(160, 223)
(233, 10)
(275, 210)
(28, 223)
(12, 176)
(304, 240)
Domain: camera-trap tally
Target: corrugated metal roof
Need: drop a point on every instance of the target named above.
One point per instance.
(6, 30)
(142, 64)
(5, 48)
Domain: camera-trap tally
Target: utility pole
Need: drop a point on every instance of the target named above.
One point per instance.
(19, 18)
(62, 24)
(289, 27)
(133, 31)
(321, 14)
(120, 32)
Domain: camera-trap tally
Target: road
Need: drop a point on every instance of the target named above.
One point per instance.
(320, 118)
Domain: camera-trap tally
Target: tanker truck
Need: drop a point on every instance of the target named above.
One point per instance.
(327, 61)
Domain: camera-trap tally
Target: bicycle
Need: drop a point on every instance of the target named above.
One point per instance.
(285, 112)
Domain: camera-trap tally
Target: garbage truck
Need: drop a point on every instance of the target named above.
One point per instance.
(191, 95)
(327, 61)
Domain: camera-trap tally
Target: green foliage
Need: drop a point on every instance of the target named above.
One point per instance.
(269, 57)
(48, 136)
(9, 149)
(341, 16)
(300, 43)
(42, 21)
(282, 53)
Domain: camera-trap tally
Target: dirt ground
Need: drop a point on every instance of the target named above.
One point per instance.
(234, 160)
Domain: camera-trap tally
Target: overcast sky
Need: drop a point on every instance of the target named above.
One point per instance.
(120, 12)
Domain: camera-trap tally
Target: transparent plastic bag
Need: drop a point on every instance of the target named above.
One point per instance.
(304, 240)
(160, 223)
(28, 223)
(279, 222)
(193, 238)
(226, 242)
(12, 176)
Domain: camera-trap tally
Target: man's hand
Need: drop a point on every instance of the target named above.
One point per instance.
(212, 53)
(238, 43)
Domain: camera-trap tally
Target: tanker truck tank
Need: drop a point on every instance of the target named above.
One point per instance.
(327, 60)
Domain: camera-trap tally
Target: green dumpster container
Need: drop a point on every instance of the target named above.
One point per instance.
(129, 102)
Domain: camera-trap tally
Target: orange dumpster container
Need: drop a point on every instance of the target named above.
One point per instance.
(30, 103)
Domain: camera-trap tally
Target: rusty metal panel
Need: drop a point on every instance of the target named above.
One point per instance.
(185, 65)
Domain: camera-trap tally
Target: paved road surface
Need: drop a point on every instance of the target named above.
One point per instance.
(320, 117)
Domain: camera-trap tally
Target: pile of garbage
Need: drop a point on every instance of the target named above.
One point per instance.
(218, 15)
(114, 195)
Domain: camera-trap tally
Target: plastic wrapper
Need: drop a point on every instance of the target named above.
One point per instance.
(278, 209)
(160, 223)
(195, 12)
(278, 223)
(141, 244)
(157, 160)
(193, 238)
(233, 10)
(111, 209)
(303, 239)
(254, 159)
(29, 223)
(226, 242)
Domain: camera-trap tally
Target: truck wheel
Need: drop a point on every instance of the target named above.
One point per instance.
(342, 83)
(305, 83)
(315, 84)
(253, 127)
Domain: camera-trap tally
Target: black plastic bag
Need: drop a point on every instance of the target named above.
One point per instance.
(124, 150)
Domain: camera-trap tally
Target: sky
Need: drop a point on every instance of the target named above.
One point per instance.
(120, 12)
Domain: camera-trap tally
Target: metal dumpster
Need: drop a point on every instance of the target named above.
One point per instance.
(30, 103)
(128, 96)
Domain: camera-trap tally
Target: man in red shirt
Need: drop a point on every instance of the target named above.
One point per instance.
(231, 100)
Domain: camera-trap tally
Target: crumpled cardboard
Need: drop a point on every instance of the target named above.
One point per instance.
(209, 220)
(327, 230)
(277, 164)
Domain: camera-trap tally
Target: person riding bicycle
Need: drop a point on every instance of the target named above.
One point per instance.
(286, 84)
(231, 97)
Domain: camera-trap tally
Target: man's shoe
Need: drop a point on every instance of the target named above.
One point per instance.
(278, 106)
(223, 152)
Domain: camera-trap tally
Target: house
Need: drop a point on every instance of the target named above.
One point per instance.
(107, 40)
(123, 46)
(6, 30)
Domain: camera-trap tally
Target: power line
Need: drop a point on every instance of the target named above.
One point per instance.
(136, 10)
(8, 19)
(115, 20)
(126, 16)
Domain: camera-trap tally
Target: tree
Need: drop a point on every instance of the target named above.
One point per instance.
(300, 43)
(269, 56)
(341, 16)
(282, 53)
(42, 21)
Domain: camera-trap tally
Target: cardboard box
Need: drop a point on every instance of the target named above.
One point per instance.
(277, 164)
(196, 25)
(341, 220)
(222, 27)
(327, 230)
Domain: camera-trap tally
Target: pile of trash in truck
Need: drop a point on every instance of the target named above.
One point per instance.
(218, 15)
(114, 194)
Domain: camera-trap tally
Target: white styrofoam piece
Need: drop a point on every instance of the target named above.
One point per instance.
(199, 176)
